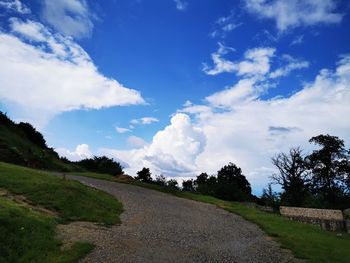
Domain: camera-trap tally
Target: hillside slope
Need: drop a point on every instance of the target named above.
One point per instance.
(21, 144)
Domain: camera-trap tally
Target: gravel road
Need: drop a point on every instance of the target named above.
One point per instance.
(158, 227)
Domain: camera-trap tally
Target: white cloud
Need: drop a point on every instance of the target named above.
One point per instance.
(70, 17)
(293, 64)
(122, 130)
(54, 73)
(248, 132)
(136, 142)
(82, 151)
(15, 6)
(221, 65)
(144, 120)
(256, 62)
(224, 25)
(181, 4)
(294, 13)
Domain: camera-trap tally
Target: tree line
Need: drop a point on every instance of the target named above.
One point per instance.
(320, 179)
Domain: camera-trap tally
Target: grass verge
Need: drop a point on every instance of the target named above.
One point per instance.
(305, 241)
(29, 236)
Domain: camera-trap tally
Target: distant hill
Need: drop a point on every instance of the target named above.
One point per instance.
(22, 144)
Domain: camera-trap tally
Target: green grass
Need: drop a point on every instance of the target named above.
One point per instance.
(305, 241)
(71, 199)
(28, 236)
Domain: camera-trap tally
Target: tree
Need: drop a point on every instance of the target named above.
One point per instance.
(172, 184)
(205, 184)
(32, 134)
(270, 198)
(329, 166)
(232, 184)
(101, 164)
(160, 180)
(187, 185)
(144, 175)
(292, 176)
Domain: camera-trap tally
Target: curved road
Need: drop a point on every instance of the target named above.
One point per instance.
(158, 227)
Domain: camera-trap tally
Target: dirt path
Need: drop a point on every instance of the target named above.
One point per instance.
(157, 227)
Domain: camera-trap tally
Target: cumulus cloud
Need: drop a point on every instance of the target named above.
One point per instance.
(294, 13)
(82, 151)
(144, 120)
(249, 131)
(43, 74)
(15, 6)
(70, 17)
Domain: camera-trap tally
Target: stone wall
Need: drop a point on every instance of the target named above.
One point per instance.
(326, 218)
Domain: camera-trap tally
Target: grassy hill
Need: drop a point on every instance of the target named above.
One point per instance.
(21, 144)
(33, 202)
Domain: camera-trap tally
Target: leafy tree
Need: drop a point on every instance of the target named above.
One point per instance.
(144, 175)
(101, 165)
(330, 168)
(172, 184)
(204, 184)
(187, 185)
(32, 134)
(292, 176)
(160, 180)
(270, 198)
(232, 184)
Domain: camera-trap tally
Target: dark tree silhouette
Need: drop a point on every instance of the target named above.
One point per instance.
(101, 165)
(232, 184)
(172, 184)
(160, 180)
(293, 176)
(144, 175)
(32, 134)
(187, 185)
(329, 166)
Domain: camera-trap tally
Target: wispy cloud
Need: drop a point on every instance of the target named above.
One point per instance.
(295, 13)
(15, 6)
(144, 120)
(72, 18)
(181, 4)
(122, 130)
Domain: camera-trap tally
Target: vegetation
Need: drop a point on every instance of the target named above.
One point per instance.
(28, 236)
(70, 199)
(320, 179)
(101, 165)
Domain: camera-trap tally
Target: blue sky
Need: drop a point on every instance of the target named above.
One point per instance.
(178, 86)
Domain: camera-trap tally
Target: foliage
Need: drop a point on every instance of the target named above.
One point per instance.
(32, 134)
(160, 180)
(101, 165)
(320, 179)
(172, 184)
(292, 175)
(188, 185)
(232, 184)
(144, 175)
(330, 169)
(270, 198)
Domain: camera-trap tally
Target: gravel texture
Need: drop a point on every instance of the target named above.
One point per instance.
(158, 227)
